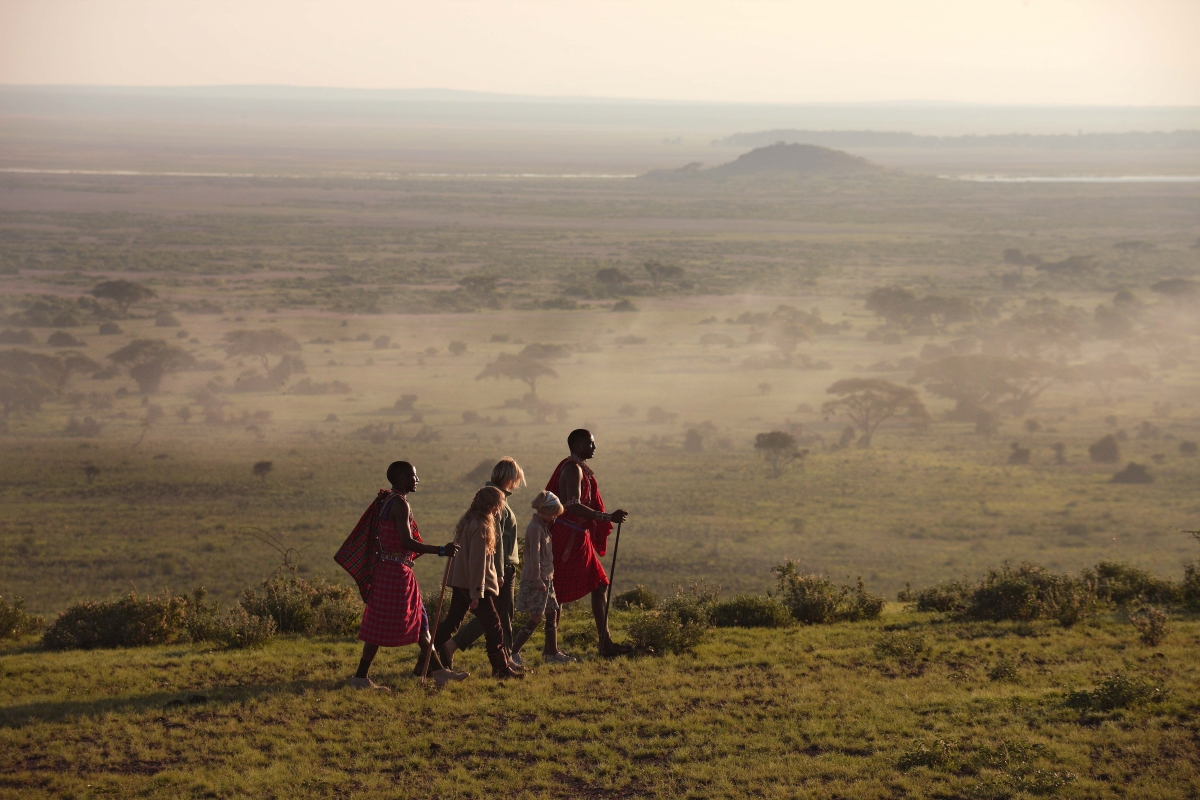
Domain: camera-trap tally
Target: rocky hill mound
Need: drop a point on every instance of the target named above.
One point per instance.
(777, 159)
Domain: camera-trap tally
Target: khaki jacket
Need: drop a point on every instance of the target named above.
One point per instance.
(473, 568)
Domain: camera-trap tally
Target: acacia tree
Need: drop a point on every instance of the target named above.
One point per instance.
(1106, 374)
(123, 293)
(260, 344)
(868, 402)
(777, 447)
(982, 382)
(518, 368)
(660, 272)
(150, 360)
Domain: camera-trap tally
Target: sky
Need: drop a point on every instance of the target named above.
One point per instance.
(1055, 52)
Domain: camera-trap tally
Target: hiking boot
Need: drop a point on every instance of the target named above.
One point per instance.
(443, 676)
(558, 658)
(366, 683)
(515, 658)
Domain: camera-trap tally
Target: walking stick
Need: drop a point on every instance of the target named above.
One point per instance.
(438, 619)
(613, 576)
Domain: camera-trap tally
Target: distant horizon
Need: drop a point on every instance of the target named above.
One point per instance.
(431, 93)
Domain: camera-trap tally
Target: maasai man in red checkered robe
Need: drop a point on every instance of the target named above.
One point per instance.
(580, 535)
(380, 558)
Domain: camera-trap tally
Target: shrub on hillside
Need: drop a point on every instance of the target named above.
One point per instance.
(15, 622)
(1031, 592)
(243, 629)
(951, 596)
(298, 606)
(131, 621)
(1118, 690)
(678, 625)
(1121, 584)
(750, 611)
(1151, 625)
(661, 632)
(814, 599)
(1189, 590)
(637, 597)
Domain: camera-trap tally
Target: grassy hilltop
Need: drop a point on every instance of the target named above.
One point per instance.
(915, 705)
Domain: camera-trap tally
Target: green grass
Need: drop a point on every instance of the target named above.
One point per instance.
(797, 712)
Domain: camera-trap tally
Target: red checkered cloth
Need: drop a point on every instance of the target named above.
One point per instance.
(359, 553)
(578, 542)
(395, 615)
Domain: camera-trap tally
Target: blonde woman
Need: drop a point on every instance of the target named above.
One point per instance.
(507, 476)
(474, 580)
(537, 581)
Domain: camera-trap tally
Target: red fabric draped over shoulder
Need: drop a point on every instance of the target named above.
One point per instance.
(578, 542)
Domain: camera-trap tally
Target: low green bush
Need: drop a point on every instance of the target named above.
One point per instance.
(637, 597)
(243, 629)
(15, 622)
(660, 632)
(1031, 592)
(693, 604)
(1189, 589)
(298, 606)
(131, 621)
(1121, 585)
(904, 647)
(750, 611)
(951, 596)
(814, 599)
(1118, 690)
(141, 620)
(1151, 625)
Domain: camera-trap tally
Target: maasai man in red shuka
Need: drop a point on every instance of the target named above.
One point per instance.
(380, 559)
(580, 535)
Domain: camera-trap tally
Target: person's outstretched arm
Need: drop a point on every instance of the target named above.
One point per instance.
(570, 489)
(401, 513)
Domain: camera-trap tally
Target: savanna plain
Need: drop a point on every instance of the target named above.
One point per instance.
(871, 393)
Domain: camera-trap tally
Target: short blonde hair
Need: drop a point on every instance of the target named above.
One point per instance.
(508, 473)
(540, 505)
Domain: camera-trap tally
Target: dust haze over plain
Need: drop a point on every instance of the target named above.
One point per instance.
(691, 221)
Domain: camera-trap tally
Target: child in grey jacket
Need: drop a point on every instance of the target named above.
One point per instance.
(536, 595)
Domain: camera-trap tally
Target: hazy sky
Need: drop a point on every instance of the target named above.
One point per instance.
(1119, 52)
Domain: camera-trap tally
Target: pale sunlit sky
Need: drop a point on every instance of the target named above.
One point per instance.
(1098, 52)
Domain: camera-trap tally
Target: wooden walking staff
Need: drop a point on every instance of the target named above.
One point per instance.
(613, 576)
(438, 618)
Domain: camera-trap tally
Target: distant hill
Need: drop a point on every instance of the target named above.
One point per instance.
(776, 159)
(1173, 140)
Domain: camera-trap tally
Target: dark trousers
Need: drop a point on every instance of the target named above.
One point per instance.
(489, 622)
(505, 604)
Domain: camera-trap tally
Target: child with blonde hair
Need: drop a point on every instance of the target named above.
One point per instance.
(536, 596)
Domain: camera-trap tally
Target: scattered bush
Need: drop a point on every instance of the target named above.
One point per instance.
(952, 596)
(132, 621)
(15, 622)
(1187, 448)
(692, 605)
(1133, 473)
(1031, 592)
(297, 606)
(1118, 690)
(1189, 590)
(750, 611)
(814, 599)
(1105, 451)
(1121, 584)
(1151, 625)
(243, 629)
(637, 597)
(660, 632)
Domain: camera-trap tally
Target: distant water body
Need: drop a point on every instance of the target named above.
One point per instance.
(1075, 178)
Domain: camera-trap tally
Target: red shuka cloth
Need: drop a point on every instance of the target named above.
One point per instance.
(393, 616)
(578, 542)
